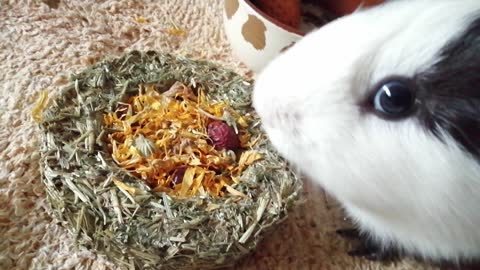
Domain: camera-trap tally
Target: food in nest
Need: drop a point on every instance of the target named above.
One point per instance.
(222, 135)
(111, 209)
(181, 142)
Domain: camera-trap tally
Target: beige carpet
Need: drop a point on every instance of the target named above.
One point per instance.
(39, 47)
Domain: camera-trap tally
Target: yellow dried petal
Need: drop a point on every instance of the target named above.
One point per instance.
(42, 101)
(242, 122)
(235, 192)
(212, 206)
(249, 157)
(244, 139)
(197, 182)
(124, 186)
(161, 188)
(252, 143)
(176, 32)
(141, 20)
(236, 179)
(195, 161)
(163, 165)
(187, 181)
(132, 150)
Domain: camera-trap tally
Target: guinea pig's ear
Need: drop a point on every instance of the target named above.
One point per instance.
(450, 90)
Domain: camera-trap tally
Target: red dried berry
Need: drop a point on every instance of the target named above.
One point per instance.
(178, 177)
(223, 136)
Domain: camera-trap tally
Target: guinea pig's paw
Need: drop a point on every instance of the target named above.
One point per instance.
(374, 253)
(349, 233)
(367, 248)
(445, 265)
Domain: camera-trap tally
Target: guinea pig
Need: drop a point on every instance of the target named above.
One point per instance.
(381, 108)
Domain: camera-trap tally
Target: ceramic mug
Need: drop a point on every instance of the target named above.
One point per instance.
(256, 38)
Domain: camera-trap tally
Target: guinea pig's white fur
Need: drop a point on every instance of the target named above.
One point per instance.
(400, 184)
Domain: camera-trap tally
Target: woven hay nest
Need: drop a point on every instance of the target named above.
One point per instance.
(147, 229)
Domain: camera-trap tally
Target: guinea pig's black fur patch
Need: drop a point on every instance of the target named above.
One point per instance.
(449, 92)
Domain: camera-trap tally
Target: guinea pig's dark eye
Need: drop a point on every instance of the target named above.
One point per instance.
(394, 99)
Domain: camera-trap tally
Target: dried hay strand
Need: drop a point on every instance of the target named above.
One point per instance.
(117, 214)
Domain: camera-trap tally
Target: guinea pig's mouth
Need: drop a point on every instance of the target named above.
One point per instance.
(286, 143)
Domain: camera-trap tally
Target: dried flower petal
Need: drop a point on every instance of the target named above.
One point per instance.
(40, 105)
(187, 181)
(124, 186)
(141, 20)
(176, 32)
(163, 139)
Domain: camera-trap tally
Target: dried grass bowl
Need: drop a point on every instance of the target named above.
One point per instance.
(115, 212)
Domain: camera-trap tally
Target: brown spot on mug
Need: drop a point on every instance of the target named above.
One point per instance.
(253, 30)
(231, 6)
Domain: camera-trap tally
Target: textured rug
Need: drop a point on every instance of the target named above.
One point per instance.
(40, 46)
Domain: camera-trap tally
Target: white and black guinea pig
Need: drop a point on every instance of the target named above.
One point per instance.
(382, 109)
